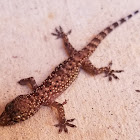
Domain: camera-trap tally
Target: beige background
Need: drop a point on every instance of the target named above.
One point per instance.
(103, 110)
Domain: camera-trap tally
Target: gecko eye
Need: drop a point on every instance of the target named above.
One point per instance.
(16, 121)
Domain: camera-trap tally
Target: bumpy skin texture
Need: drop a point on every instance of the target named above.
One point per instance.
(25, 106)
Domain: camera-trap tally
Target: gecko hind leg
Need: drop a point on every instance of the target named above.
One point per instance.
(63, 123)
(29, 81)
(88, 67)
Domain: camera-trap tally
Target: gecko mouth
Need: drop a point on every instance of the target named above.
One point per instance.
(5, 119)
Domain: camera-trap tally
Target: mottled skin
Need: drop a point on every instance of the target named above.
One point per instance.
(25, 106)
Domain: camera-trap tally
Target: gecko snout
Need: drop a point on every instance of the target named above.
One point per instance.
(5, 119)
(8, 115)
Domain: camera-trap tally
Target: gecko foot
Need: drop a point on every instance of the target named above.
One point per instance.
(110, 73)
(59, 33)
(62, 125)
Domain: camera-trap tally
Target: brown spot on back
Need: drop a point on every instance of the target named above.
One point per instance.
(115, 24)
(108, 29)
(103, 34)
(85, 49)
(136, 12)
(65, 62)
(46, 83)
(65, 43)
(96, 40)
(129, 16)
(93, 45)
(122, 20)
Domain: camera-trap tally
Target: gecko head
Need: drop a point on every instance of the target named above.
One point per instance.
(11, 113)
(7, 117)
(16, 111)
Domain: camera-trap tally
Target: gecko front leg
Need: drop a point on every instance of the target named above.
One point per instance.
(60, 34)
(63, 123)
(30, 82)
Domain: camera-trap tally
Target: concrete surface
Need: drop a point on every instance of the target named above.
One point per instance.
(103, 110)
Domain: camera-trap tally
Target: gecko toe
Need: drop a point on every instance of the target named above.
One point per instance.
(59, 33)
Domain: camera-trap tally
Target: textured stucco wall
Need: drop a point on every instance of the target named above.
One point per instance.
(103, 110)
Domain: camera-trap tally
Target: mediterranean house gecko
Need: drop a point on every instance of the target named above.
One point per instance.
(25, 106)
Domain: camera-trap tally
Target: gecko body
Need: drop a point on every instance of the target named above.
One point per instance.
(25, 106)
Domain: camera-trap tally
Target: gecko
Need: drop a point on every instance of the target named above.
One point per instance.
(24, 106)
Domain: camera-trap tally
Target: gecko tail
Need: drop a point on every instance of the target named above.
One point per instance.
(110, 28)
(93, 44)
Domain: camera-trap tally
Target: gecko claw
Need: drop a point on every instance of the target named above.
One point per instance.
(59, 33)
(63, 125)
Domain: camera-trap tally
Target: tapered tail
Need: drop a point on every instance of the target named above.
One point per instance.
(90, 48)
